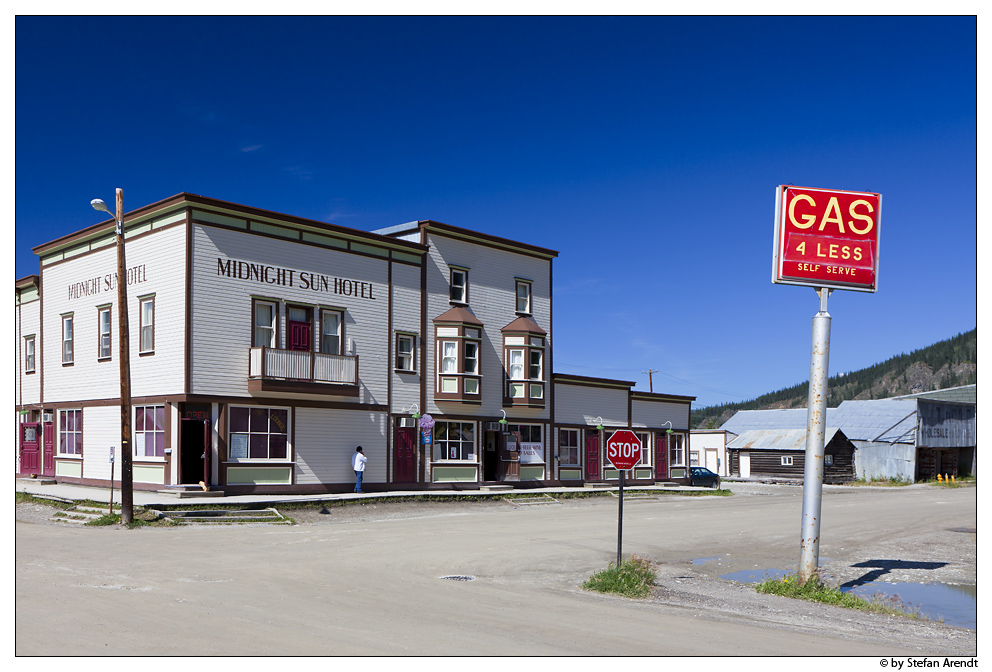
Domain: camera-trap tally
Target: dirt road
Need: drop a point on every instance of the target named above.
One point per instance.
(367, 580)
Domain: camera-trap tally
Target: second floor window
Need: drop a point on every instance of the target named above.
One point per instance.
(67, 339)
(103, 320)
(330, 332)
(404, 352)
(147, 312)
(459, 285)
(29, 354)
(264, 329)
(523, 297)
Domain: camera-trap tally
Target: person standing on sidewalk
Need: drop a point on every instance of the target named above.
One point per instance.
(358, 461)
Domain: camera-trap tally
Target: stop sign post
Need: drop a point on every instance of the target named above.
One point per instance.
(623, 450)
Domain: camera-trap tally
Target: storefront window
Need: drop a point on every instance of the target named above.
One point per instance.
(258, 433)
(454, 441)
(149, 431)
(568, 447)
(676, 449)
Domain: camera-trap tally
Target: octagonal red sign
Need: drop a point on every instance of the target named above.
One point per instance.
(623, 449)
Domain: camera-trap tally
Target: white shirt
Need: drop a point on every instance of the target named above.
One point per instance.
(358, 461)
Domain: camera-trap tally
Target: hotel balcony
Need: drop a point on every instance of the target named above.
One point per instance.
(274, 370)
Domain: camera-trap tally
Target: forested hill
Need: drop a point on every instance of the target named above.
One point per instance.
(945, 364)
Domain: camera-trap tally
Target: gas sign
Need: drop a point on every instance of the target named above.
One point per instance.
(826, 238)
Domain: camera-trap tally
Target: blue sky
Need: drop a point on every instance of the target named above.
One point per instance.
(645, 150)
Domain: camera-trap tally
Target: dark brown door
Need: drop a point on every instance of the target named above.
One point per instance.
(592, 456)
(509, 459)
(30, 448)
(48, 450)
(661, 455)
(406, 455)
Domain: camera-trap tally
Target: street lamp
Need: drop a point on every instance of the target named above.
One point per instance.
(127, 486)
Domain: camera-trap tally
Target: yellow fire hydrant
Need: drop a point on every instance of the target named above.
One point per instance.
(939, 479)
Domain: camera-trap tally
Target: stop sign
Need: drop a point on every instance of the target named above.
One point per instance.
(623, 449)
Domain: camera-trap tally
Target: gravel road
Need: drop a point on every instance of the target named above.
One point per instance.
(362, 570)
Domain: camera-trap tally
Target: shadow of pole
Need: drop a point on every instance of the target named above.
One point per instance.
(883, 567)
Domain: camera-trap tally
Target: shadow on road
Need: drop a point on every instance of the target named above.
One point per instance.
(883, 567)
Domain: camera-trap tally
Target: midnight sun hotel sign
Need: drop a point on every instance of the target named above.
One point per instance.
(826, 238)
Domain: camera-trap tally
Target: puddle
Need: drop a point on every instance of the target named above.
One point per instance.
(756, 575)
(956, 605)
(702, 561)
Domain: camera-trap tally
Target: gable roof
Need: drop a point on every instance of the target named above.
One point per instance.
(889, 420)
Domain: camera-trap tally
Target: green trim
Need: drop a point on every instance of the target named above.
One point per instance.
(532, 473)
(643, 473)
(214, 218)
(143, 473)
(403, 256)
(71, 468)
(280, 231)
(324, 240)
(570, 474)
(368, 249)
(454, 474)
(259, 475)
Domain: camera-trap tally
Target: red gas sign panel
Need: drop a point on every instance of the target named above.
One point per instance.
(623, 449)
(826, 238)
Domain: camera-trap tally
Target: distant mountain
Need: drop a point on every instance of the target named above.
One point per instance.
(945, 364)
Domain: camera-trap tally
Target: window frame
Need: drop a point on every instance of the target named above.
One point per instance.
(339, 314)
(29, 354)
(647, 450)
(569, 431)
(411, 367)
(527, 309)
(786, 461)
(273, 324)
(676, 450)
(521, 387)
(454, 345)
(67, 319)
(141, 431)
(142, 325)
(439, 455)
(452, 286)
(100, 312)
(77, 431)
(828, 460)
(249, 432)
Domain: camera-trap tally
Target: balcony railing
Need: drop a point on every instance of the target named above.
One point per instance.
(303, 365)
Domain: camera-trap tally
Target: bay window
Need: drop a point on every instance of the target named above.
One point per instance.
(458, 370)
(523, 348)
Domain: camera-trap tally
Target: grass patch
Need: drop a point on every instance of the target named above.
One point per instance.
(883, 482)
(814, 590)
(633, 578)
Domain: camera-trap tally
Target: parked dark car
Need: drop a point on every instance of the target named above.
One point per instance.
(703, 477)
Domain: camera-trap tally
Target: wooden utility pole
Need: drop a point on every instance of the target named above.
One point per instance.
(127, 484)
(650, 379)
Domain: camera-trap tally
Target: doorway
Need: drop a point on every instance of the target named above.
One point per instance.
(406, 455)
(30, 447)
(745, 465)
(194, 452)
(712, 461)
(509, 458)
(592, 456)
(490, 457)
(299, 327)
(48, 447)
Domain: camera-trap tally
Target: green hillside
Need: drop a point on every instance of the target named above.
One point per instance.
(945, 364)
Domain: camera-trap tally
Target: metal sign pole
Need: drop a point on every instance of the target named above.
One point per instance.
(816, 423)
(620, 523)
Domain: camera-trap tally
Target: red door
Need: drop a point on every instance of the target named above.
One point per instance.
(661, 455)
(48, 454)
(299, 335)
(30, 447)
(406, 455)
(592, 456)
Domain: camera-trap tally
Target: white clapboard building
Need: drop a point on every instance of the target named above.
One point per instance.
(264, 348)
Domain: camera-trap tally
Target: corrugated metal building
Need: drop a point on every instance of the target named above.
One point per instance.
(912, 438)
(781, 453)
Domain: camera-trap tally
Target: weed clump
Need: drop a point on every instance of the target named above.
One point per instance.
(633, 578)
(814, 590)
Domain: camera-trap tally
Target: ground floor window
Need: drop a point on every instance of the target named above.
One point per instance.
(454, 441)
(676, 450)
(568, 447)
(71, 432)
(258, 433)
(693, 458)
(645, 439)
(787, 460)
(149, 431)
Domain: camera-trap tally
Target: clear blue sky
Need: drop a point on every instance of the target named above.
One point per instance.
(645, 150)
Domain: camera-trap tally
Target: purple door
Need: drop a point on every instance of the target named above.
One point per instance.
(30, 447)
(661, 455)
(592, 456)
(406, 455)
(299, 335)
(48, 456)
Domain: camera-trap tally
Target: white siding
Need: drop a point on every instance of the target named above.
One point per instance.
(406, 318)
(657, 413)
(28, 322)
(221, 307)
(161, 258)
(582, 404)
(325, 440)
(101, 430)
(492, 299)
